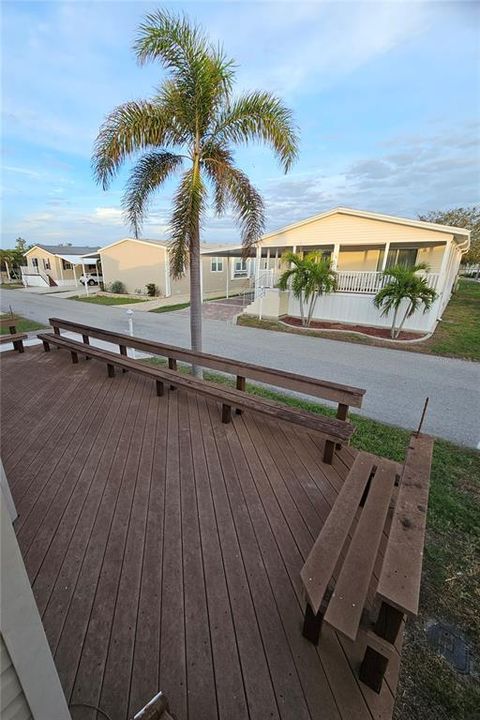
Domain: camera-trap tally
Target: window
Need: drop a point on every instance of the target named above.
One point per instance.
(35, 262)
(239, 267)
(407, 257)
(46, 264)
(217, 264)
(66, 265)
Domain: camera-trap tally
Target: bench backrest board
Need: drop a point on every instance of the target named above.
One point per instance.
(335, 392)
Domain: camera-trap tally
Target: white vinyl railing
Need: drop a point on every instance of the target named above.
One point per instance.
(370, 282)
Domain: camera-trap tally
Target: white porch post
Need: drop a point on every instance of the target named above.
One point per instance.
(385, 256)
(61, 270)
(85, 276)
(257, 264)
(167, 274)
(276, 259)
(75, 274)
(335, 254)
(442, 276)
(228, 276)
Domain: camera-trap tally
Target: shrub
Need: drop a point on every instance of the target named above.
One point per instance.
(151, 289)
(117, 287)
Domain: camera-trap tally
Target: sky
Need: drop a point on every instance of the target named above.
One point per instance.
(386, 97)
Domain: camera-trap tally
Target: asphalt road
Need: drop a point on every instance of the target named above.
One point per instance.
(396, 382)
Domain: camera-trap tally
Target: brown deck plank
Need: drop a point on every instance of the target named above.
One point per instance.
(230, 692)
(256, 676)
(145, 680)
(172, 637)
(201, 695)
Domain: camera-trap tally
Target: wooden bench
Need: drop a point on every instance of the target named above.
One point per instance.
(338, 576)
(337, 431)
(344, 395)
(13, 336)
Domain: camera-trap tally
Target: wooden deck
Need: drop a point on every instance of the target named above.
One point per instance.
(164, 548)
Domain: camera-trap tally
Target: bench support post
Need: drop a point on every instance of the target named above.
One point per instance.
(86, 341)
(342, 414)
(160, 387)
(74, 356)
(240, 386)
(110, 370)
(18, 345)
(329, 452)
(312, 624)
(56, 330)
(388, 622)
(123, 351)
(46, 346)
(373, 668)
(172, 365)
(226, 413)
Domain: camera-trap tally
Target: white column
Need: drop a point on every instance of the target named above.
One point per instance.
(85, 276)
(228, 276)
(335, 254)
(61, 270)
(257, 263)
(385, 256)
(442, 276)
(75, 274)
(168, 290)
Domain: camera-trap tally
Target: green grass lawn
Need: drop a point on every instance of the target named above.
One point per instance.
(107, 300)
(170, 308)
(10, 286)
(429, 688)
(22, 325)
(457, 335)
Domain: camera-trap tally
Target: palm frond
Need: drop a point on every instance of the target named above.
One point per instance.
(233, 187)
(149, 173)
(260, 117)
(188, 208)
(130, 127)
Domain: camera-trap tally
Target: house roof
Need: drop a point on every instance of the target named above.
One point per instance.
(65, 249)
(462, 235)
(143, 241)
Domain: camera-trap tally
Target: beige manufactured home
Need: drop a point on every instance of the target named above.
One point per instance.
(361, 246)
(138, 262)
(63, 265)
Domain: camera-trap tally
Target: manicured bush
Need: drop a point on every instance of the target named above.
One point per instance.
(117, 287)
(151, 289)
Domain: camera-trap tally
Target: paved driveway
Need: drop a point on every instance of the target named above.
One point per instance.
(396, 382)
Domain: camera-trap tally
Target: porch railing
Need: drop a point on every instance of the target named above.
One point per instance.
(370, 282)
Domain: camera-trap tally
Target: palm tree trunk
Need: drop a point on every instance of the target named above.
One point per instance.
(195, 303)
(313, 302)
(403, 321)
(302, 311)
(392, 331)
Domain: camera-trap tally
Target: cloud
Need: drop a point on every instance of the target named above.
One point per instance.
(423, 173)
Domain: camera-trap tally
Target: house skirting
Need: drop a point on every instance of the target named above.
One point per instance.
(346, 308)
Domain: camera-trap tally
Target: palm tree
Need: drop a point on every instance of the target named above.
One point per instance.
(404, 285)
(189, 128)
(308, 277)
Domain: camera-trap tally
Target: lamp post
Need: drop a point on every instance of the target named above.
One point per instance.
(130, 327)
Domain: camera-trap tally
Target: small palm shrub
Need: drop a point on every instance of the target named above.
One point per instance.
(404, 284)
(308, 277)
(151, 289)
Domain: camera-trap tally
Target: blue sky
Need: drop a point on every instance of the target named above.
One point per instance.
(386, 96)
